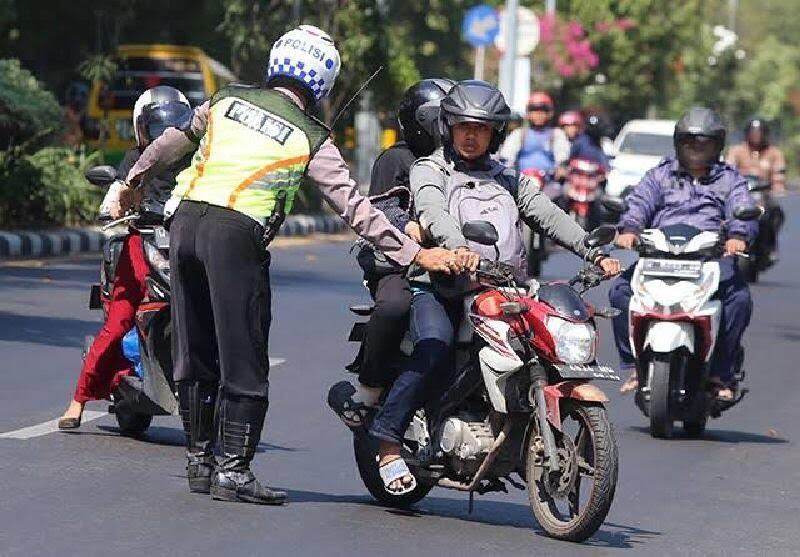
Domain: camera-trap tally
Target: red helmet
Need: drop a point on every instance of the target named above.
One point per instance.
(540, 99)
(570, 118)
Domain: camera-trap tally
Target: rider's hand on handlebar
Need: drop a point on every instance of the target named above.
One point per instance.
(435, 259)
(735, 246)
(627, 240)
(610, 266)
(414, 231)
(465, 260)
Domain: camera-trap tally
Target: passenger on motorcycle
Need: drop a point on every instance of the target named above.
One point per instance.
(697, 189)
(104, 365)
(472, 122)
(252, 146)
(418, 116)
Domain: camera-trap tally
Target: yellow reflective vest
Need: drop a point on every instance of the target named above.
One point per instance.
(257, 142)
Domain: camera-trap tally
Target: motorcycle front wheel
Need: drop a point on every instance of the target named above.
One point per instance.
(660, 405)
(573, 502)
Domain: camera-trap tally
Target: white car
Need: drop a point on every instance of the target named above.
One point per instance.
(640, 145)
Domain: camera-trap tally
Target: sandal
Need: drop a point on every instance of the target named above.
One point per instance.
(352, 412)
(69, 422)
(630, 384)
(394, 471)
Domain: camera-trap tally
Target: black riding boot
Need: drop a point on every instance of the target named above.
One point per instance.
(197, 407)
(242, 420)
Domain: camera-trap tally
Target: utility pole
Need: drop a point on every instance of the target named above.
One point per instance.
(733, 7)
(550, 7)
(510, 54)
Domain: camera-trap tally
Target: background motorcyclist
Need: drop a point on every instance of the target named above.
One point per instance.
(571, 123)
(756, 156)
(104, 365)
(472, 122)
(418, 115)
(697, 189)
(588, 144)
(539, 146)
(252, 147)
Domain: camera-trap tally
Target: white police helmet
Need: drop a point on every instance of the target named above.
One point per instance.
(307, 55)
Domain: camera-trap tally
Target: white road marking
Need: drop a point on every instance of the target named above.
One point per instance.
(48, 427)
(51, 426)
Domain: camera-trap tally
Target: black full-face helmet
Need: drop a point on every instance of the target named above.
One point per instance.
(474, 101)
(156, 110)
(699, 138)
(418, 114)
(754, 125)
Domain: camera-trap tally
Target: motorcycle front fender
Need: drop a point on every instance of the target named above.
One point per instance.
(666, 336)
(576, 390)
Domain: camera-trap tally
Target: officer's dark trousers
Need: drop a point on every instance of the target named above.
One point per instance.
(220, 300)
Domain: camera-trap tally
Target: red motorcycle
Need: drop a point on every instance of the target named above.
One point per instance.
(585, 180)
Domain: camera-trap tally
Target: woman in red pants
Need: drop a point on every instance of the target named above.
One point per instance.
(157, 109)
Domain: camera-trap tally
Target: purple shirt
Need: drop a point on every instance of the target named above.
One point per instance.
(667, 195)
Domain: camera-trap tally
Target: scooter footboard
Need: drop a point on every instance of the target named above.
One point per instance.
(575, 390)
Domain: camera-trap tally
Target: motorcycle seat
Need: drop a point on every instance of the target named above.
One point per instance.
(362, 309)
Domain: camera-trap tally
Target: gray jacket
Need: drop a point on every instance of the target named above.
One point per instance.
(429, 181)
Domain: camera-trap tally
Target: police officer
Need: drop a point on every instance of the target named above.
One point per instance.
(253, 146)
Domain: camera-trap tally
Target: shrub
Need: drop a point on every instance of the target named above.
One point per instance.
(29, 114)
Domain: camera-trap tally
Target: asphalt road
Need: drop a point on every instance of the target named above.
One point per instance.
(735, 492)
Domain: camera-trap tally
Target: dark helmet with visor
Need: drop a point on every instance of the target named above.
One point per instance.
(156, 110)
(418, 114)
(699, 138)
(474, 101)
(757, 124)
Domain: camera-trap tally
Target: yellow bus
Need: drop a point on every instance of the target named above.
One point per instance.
(140, 67)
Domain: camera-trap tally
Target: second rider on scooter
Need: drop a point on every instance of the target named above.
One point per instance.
(697, 189)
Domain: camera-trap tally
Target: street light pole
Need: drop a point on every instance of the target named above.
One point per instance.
(510, 54)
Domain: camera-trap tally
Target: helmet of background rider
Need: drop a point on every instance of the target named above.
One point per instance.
(699, 138)
(305, 56)
(418, 114)
(474, 101)
(756, 133)
(539, 109)
(595, 126)
(156, 110)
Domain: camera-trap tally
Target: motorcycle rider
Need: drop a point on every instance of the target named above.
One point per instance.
(417, 115)
(571, 123)
(539, 146)
(104, 365)
(697, 189)
(256, 143)
(758, 157)
(473, 116)
(588, 144)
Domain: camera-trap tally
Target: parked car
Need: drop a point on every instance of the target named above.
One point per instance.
(640, 145)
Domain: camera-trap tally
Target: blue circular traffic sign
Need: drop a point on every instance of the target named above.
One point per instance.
(481, 25)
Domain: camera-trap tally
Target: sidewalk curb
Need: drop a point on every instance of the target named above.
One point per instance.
(19, 243)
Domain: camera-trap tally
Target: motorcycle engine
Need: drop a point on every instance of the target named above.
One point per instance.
(467, 442)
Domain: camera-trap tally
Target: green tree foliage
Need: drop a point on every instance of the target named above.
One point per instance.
(28, 113)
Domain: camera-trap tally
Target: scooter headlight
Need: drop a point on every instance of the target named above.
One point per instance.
(575, 342)
(700, 294)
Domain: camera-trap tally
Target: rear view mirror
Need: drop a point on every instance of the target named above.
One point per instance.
(748, 213)
(600, 236)
(754, 183)
(481, 232)
(102, 176)
(614, 204)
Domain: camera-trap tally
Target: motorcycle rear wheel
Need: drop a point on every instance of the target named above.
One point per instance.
(365, 449)
(591, 455)
(661, 422)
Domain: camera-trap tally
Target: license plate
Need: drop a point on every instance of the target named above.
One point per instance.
(161, 236)
(587, 371)
(672, 268)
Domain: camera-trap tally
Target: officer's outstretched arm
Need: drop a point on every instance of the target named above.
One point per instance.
(170, 147)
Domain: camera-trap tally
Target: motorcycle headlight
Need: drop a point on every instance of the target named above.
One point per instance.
(700, 294)
(574, 341)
